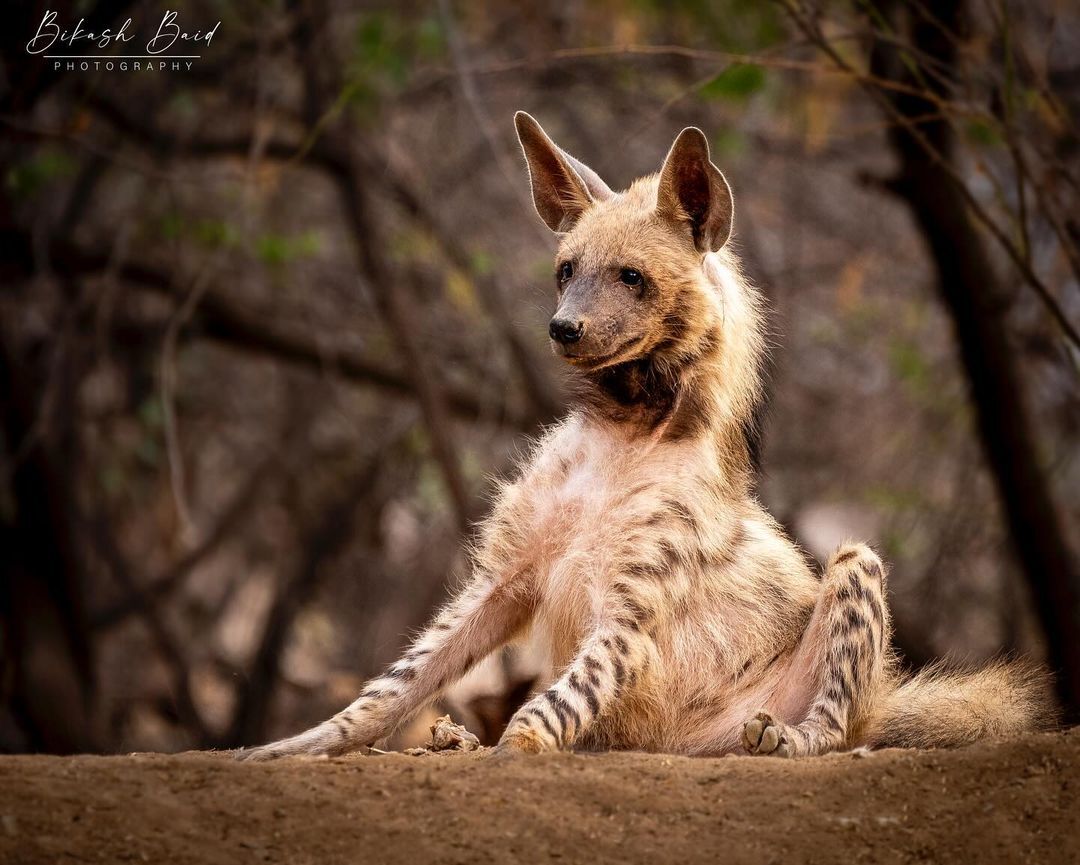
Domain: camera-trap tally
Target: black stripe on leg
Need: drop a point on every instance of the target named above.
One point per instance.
(406, 674)
(588, 693)
(876, 612)
(564, 710)
(831, 721)
(859, 589)
(845, 690)
(536, 713)
(856, 673)
(855, 620)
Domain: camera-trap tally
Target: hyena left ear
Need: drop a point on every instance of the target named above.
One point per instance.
(562, 187)
(694, 192)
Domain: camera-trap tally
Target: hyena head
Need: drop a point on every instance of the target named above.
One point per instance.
(647, 296)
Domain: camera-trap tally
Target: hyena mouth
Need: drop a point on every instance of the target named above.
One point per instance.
(594, 362)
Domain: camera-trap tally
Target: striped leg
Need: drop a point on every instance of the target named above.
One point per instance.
(479, 620)
(559, 716)
(844, 650)
(611, 659)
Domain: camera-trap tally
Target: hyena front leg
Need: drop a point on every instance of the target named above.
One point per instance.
(482, 618)
(844, 651)
(612, 658)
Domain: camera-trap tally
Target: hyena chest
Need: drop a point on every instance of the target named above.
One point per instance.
(581, 529)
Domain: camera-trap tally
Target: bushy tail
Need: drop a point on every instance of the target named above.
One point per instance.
(943, 706)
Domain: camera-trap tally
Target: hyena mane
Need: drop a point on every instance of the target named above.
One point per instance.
(677, 614)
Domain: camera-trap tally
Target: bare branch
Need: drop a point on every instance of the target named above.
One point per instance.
(221, 321)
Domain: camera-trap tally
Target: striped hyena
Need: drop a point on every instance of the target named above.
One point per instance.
(680, 616)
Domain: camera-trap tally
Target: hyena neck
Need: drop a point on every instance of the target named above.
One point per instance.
(705, 385)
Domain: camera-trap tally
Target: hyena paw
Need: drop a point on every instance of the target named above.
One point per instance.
(520, 741)
(314, 743)
(261, 754)
(762, 735)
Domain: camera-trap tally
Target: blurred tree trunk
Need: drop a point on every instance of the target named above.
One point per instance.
(46, 654)
(977, 303)
(44, 641)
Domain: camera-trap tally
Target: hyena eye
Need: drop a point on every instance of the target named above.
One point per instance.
(565, 271)
(631, 277)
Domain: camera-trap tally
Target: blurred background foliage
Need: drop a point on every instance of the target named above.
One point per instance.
(271, 326)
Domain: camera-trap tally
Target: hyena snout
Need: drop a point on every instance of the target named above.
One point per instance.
(566, 331)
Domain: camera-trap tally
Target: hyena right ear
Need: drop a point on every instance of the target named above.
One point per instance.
(693, 192)
(562, 187)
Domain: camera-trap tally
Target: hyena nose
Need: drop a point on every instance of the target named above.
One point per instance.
(566, 331)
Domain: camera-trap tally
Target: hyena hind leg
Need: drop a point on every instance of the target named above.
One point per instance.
(844, 652)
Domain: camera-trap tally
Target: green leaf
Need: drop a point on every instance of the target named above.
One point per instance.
(272, 249)
(380, 49)
(430, 38)
(307, 244)
(216, 233)
(910, 366)
(27, 178)
(278, 249)
(738, 83)
(981, 132)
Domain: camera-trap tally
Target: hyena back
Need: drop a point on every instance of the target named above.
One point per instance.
(680, 616)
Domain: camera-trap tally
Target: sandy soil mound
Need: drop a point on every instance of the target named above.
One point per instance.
(1003, 802)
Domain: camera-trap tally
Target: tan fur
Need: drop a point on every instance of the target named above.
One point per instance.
(948, 707)
(680, 617)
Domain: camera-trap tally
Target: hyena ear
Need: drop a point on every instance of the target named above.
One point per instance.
(694, 192)
(562, 187)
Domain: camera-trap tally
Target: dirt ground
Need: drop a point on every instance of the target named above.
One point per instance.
(1016, 801)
